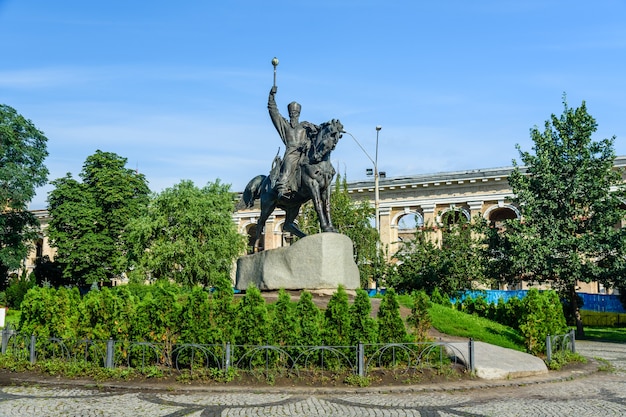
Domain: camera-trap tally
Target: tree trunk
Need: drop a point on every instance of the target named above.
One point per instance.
(580, 331)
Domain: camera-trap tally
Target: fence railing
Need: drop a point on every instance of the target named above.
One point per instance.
(560, 343)
(360, 359)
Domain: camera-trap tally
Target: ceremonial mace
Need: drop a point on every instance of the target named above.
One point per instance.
(275, 64)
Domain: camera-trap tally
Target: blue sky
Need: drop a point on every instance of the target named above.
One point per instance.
(180, 88)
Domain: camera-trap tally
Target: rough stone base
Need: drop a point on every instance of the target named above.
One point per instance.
(320, 261)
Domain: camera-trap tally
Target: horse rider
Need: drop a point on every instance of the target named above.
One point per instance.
(296, 137)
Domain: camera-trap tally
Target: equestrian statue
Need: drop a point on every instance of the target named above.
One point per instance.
(304, 173)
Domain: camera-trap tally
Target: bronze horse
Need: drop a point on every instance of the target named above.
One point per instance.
(315, 177)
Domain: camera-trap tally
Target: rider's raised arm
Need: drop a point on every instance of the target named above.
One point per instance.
(280, 123)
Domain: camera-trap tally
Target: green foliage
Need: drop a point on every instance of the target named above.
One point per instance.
(337, 324)
(364, 327)
(443, 299)
(571, 199)
(17, 289)
(563, 357)
(107, 314)
(310, 320)
(22, 154)
(253, 321)
(353, 219)
(225, 314)
(187, 235)
(47, 312)
(284, 322)
(157, 317)
(451, 265)
(419, 321)
(88, 218)
(391, 327)
(358, 381)
(198, 319)
(543, 316)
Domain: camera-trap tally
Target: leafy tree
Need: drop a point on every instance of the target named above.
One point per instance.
(88, 218)
(569, 208)
(48, 272)
(391, 327)
(353, 220)
(22, 154)
(363, 327)
(452, 265)
(187, 234)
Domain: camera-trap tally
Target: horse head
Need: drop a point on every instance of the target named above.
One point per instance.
(326, 140)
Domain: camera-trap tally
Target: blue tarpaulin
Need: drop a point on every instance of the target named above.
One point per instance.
(593, 302)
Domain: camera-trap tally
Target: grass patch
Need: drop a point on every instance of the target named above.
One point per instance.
(606, 334)
(456, 323)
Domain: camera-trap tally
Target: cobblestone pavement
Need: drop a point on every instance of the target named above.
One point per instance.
(596, 394)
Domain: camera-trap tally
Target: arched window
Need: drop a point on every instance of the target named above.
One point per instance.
(408, 224)
(454, 216)
(251, 232)
(498, 215)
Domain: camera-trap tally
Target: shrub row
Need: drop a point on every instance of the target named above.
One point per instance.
(166, 313)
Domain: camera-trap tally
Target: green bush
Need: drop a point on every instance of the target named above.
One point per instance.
(47, 312)
(391, 327)
(17, 289)
(363, 326)
(542, 316)
(337, 324)
(253, 321)
(419, 321)
(285, 325)
(310, 320)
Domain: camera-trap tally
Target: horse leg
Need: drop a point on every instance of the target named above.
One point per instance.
(260, 225)
(322, 207)
(290, 221)
(326, 208)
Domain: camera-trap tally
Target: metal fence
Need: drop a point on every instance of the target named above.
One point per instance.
(560, 343)
(359, 359)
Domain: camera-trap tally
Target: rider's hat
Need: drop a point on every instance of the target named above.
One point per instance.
(294, 106)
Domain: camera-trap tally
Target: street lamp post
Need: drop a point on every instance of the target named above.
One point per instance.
(376, 177)
(376, 191)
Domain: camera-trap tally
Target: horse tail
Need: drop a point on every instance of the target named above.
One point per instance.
(251, 193)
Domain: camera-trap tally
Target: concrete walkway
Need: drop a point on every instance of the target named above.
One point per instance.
(495, 362)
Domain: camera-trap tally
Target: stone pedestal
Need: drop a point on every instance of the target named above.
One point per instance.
(315, 262)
